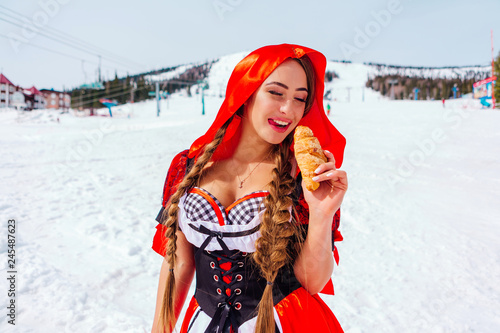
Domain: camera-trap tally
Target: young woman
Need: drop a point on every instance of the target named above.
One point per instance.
(236, 213)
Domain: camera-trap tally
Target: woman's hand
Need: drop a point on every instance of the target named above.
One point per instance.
(326, 200)
(314, 265)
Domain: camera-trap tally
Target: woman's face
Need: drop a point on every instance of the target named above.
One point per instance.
(277, 106)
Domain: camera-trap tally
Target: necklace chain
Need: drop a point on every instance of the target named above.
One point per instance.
(242, 181)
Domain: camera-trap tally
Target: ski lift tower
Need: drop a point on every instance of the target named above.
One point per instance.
(204, 86)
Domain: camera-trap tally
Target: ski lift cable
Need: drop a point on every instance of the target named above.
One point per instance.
(51, 50)
(60, 53)
(115, 89)
(90, 101)
(73, 39)
(112, 91)
(63, 42)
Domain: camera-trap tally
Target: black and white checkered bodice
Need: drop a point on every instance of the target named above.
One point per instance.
(200, 209)
(228, 285)
(202, 205)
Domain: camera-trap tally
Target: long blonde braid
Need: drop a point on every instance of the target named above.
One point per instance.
(272, 252)
(167, 316)
(281, 237)
(272, 248)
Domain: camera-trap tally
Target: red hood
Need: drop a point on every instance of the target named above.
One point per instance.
(247, 77)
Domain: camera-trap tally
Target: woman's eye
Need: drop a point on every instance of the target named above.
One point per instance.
(303, 100)
(272, 92)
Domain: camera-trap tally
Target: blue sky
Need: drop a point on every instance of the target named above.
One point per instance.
(160, 33)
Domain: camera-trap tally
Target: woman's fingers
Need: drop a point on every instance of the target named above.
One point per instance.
(328, 165)
(340, 182)
(330, 157)
(327, 172)
(337, 178)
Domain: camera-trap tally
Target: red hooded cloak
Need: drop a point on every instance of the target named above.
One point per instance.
(247, 77)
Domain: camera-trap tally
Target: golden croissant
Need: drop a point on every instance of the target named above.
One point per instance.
(309, 155)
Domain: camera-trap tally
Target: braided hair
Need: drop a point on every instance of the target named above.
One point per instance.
(169, 219)
(278, 226)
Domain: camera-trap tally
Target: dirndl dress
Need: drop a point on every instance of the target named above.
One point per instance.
(228, 284)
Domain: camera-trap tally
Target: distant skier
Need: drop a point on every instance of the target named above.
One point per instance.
(328, 109)
(443, 102)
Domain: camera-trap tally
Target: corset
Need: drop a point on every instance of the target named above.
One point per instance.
(228, 283)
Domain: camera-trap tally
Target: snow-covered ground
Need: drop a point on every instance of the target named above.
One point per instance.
(420, 220)
(168, 75)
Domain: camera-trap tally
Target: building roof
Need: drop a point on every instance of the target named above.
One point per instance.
(33, 91)
(3, 79)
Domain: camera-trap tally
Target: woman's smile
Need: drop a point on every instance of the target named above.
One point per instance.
(279, 125)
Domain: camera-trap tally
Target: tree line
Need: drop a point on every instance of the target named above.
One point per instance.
(428, 88)
(136, 88)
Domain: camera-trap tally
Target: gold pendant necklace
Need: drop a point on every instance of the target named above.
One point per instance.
(242, 181)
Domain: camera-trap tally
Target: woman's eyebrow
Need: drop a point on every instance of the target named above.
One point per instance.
(285, 86)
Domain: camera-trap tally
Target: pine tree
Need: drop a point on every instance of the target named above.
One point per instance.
(423, 92)
(142, 90)
(115, 89)
(497, 83)
(76, 96)
(436, 93)
(445, 90)
(468, 85)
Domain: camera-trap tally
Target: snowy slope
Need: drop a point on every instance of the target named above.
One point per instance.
(350, 84)
(220, 73)
(420, 220)
(168, 75)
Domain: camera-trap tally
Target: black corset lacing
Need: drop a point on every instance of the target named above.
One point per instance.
(227, 306)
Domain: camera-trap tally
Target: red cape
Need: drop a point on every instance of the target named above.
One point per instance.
(247, 77)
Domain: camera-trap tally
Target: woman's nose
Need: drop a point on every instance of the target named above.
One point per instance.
(285, 106)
